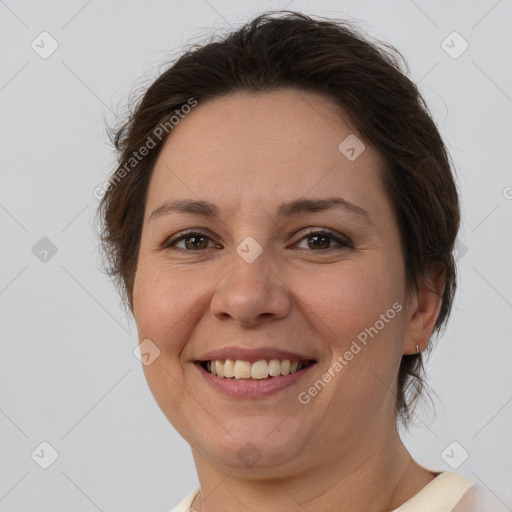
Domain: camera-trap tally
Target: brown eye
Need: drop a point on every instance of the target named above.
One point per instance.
(192, 241)
(324, 240)
(319, 241)
(196, 242)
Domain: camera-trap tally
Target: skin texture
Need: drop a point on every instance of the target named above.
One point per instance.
(248, 154)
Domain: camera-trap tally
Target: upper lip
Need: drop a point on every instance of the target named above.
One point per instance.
(252, 354)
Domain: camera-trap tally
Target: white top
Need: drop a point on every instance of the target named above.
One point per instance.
(448, 492)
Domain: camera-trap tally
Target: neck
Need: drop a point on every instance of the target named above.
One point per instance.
(382, 480)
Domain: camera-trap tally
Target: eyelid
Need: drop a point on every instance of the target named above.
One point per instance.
(167, 243)
(340, 239)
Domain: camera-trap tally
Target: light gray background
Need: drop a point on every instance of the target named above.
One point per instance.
(68, 373)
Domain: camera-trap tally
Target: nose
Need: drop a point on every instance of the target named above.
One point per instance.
(251, 293)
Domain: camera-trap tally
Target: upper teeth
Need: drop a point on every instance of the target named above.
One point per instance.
(240, 369)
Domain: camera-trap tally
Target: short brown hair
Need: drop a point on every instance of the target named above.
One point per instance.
(288, 49)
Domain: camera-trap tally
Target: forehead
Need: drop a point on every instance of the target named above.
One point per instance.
(274, 145)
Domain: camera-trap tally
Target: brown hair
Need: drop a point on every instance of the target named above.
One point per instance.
(289, 49)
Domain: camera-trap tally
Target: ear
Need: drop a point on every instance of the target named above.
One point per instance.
(423, 309)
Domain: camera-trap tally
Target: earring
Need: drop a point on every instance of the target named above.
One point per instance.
(418, 350)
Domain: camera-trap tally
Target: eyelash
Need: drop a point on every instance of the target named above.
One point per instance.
(343, 242)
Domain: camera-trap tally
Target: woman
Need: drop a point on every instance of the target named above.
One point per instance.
(287, 255)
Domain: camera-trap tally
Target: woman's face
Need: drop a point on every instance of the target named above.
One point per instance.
(258, 276)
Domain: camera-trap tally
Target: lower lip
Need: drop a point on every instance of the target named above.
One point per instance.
(252, 389)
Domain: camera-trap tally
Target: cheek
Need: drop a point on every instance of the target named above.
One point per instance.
(165, 314)
(168, 306)
(357, 314)
(345, 302)
(159, 303)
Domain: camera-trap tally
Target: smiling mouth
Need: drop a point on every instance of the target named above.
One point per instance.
(236, 369)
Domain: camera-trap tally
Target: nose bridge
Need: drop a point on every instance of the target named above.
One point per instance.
(252, 288)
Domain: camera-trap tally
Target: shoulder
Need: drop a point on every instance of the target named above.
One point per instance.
(452, 492)
(442, 494)
(479, 499)
(184, 504)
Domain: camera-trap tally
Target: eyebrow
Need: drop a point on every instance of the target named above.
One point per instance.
(294, 208)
